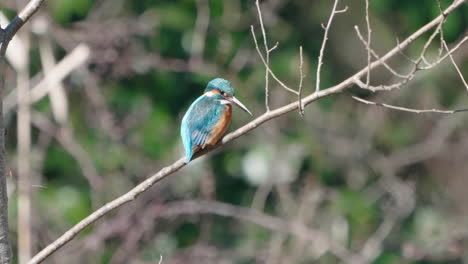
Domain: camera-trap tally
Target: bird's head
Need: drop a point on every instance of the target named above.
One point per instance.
(221, 90)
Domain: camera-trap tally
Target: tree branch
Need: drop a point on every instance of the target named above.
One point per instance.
(267, 66)
(324, 43)
(267, 54)
(5, 36)
(405, 109)
(19, 21)
(166, 171)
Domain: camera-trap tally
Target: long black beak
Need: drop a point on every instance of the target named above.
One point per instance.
(239, 104)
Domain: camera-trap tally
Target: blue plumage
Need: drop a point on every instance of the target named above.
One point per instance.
(198, 122)
(208, 117)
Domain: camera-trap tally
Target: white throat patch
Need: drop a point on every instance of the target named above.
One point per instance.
(209, 94)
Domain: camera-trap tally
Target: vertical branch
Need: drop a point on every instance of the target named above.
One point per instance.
(301, 72)
(266, 65)
(267, 54)
(369, 33)
(24, 150)
(5, 36)
(324, 43)
(5, 249)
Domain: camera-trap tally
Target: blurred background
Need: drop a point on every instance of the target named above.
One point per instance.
(111, 79)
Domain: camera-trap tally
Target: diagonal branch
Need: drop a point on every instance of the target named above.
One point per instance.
(405, 109)
(177, 165)
(21, 19)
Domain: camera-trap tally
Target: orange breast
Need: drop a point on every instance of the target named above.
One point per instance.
(220, 128)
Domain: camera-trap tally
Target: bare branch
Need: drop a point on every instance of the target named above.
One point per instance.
(369, 49)
(166, 171)
(411, 110)
(267, 53)
(266, 65)
(342, 10)
(17, 22)
(5, 36)
(455, 64)
(301, 72)
(369, 33)
(381, 87)
(449, 53)
(324, 43)
(414, 69)
(443, 45)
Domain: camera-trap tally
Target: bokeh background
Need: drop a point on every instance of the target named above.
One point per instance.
(346, 180)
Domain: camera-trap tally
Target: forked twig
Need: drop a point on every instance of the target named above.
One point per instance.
(267, 66)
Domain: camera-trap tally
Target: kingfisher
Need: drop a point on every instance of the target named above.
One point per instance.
(208, 117)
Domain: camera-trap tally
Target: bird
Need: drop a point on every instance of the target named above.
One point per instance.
(208, 117)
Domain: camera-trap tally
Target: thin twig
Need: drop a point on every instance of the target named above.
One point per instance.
(390, 69)
(414, 69)
(324, 43)
(443, 45)
(267, 54)
(177, 165)
(405, 109)
(382, 87)
(455, 64)
(402, 53)
(369, 33)
(301, 72)
(268, 67)
(432, 65)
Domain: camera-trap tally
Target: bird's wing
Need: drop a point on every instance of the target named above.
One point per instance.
(202, 117)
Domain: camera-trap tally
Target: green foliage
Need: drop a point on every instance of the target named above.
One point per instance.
(358, 209)
(65, 11)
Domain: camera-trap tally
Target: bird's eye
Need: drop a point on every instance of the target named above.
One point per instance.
(224, 94)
